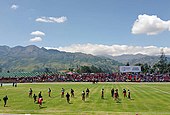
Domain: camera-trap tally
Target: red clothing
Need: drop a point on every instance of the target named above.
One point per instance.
(40, 100)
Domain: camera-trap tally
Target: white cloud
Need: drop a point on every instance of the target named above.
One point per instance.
(36, 39)
(113, 50)
(52, 19)
(14, 6)
(150, 25)
(38, 33)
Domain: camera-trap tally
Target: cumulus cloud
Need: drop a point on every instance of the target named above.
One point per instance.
(112, 50)
(150, 25)
(52, 19)
(38, 33)
(36, 39)
(14, 6)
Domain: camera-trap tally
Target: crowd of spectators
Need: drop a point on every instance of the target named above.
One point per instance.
(90, 77)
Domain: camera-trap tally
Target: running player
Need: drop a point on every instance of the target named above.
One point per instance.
(129, 94)
(102, 95)
(5, 100)
(49, 92)
(39, 95)
(40, 102)
(112, 92)
(72, 93)
(68, 97)
(87, 92)
(83, 96)
(30, 92)
(124, 93)
(62, 92)
(116, 95)
(35, 98)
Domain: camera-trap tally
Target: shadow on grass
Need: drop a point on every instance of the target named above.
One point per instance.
(87, 101)
(104, 99)
(7, 106)
(43, 107)
(118, 102)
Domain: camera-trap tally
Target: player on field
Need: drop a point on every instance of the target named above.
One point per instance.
(72, 93)
(116, 95)
(30, 92)
(35, 98)
(40, 100)
(124, 93)
(39, 95)
(62, 92)
(112, 92)
(5, 100)
(87, 92)
(68, 97)
(83, 96)
(49, 92)
(102, 95)
(129, 94)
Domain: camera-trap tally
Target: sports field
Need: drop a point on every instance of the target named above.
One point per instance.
(147, 99)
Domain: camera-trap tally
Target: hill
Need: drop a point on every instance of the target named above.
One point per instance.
(33, 58)
(138, 58)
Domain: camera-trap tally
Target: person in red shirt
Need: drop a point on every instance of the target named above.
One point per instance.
(40, 101)
(116, 95)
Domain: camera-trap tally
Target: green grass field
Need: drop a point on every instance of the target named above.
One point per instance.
(147, 99)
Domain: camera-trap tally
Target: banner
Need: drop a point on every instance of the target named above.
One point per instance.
(125, 69)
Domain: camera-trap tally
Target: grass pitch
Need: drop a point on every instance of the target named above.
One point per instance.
(147, 99)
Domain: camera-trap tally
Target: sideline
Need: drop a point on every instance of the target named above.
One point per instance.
(97, 83)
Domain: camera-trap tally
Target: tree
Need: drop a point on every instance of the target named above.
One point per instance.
(127, 64)
(145, 68)
(162, 63)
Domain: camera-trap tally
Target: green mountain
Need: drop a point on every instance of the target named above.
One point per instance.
(138, 58)
(33, 58)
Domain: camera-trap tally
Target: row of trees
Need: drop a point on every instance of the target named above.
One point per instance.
(162, 66)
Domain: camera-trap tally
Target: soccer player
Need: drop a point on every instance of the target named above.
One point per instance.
(72, 93)
(35, 98)
(5, 100)
(62, 92)
(129, 94)
(40, 101)
(30, 92)
(112, 92)
(49, 92)
(102, 95)
(87, 92)
(68, 97)
(39, 95)
(116, 95)
(83, 96)
(124, 93)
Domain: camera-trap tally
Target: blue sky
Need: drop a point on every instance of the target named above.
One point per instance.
(88, 26)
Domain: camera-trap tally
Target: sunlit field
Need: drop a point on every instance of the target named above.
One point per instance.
(147, 99)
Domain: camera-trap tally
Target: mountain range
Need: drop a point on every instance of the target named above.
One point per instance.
(33, 58)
